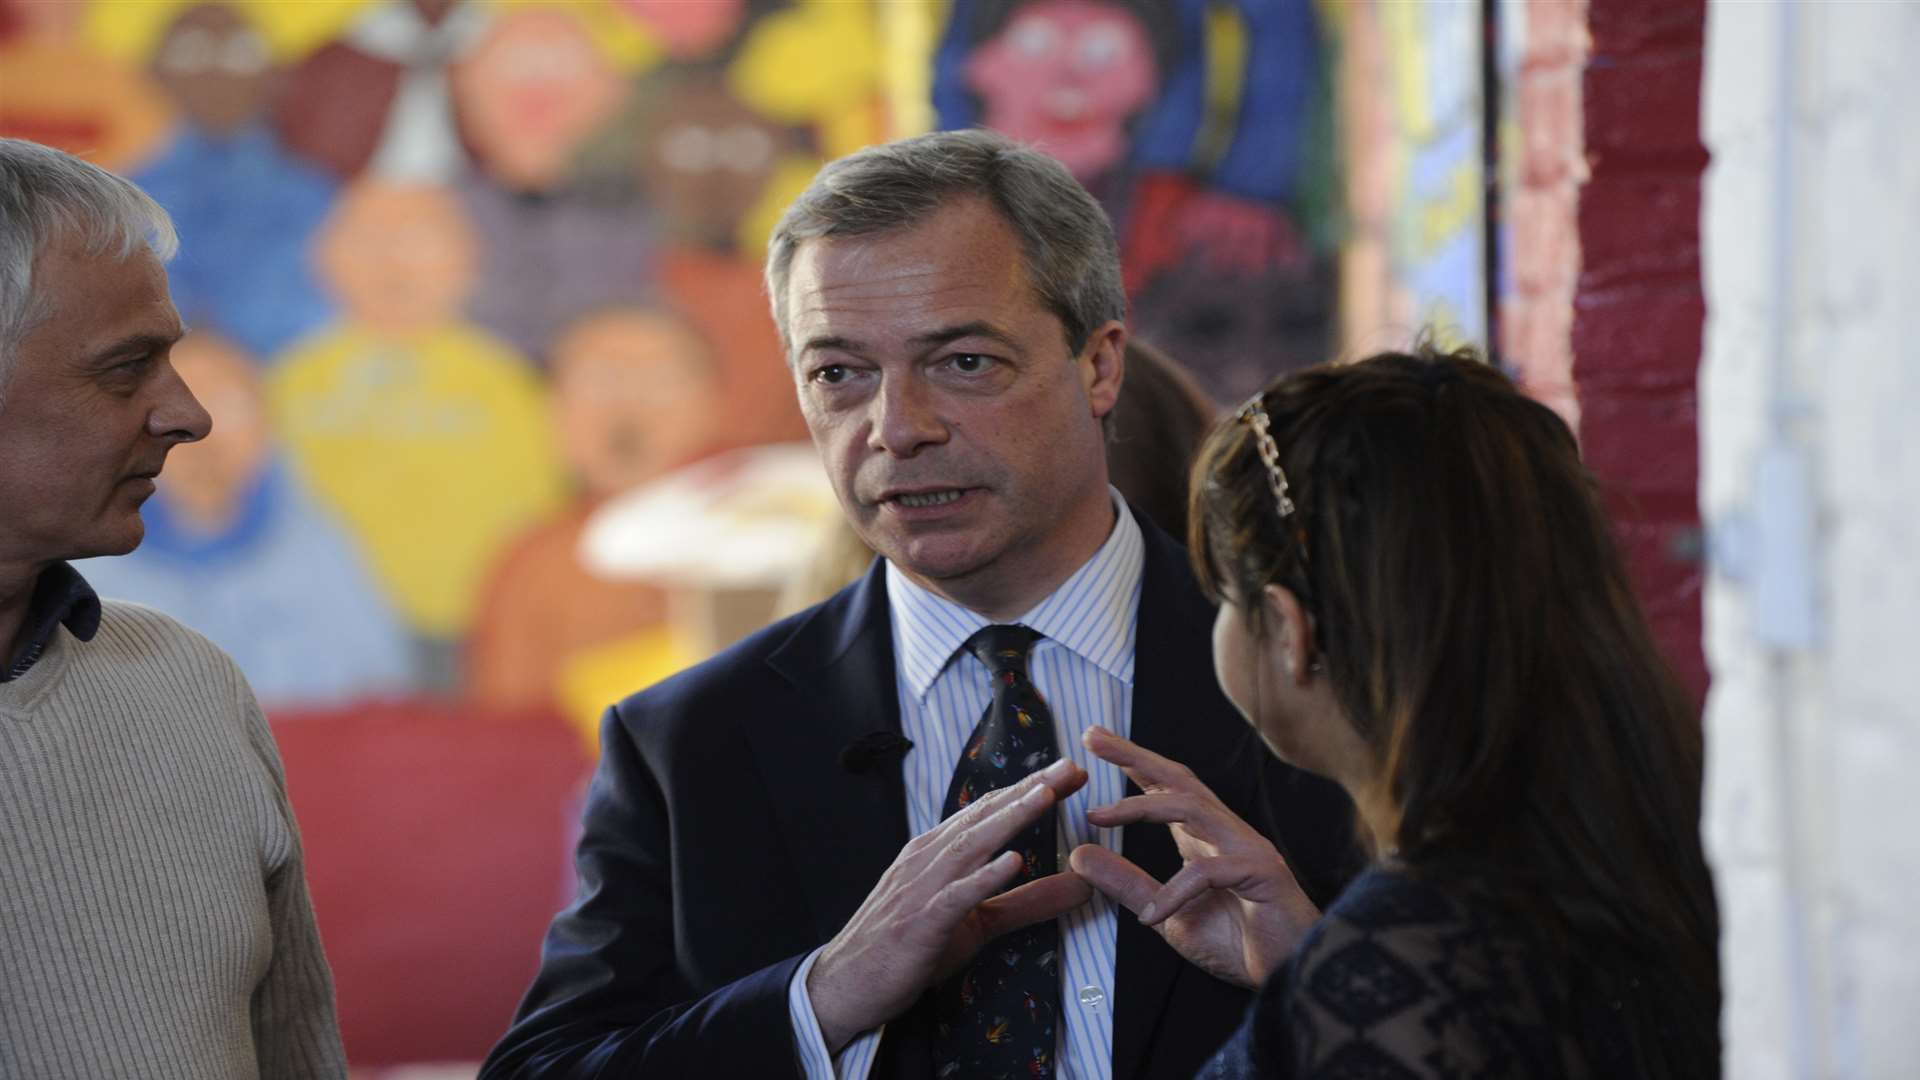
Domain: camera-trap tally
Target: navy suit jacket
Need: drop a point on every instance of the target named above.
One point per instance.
(725, 840)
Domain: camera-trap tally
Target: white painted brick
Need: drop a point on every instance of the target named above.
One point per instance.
(1876, 1014)
(1758, 1013)
(1878, 868)
(1743, 776)
(1873, 598)
(1812, 813)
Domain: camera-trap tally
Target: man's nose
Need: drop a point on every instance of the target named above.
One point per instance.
(905, 418)
(178, 416)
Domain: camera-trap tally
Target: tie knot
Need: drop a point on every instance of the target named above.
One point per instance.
(1003, 648)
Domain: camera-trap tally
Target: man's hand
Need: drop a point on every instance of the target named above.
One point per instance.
(1234, 909)
(935, 907)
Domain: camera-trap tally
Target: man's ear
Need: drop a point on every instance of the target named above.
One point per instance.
(1289, 630)
(1103, 366)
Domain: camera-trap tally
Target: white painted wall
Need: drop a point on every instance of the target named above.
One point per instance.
(1810, 433)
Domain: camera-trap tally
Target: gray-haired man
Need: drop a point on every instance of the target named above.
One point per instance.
(154, 921)
(791, 863)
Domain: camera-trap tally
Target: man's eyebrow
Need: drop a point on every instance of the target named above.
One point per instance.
(830, 342)
(976, 328)
(930, 339)
(135, 345)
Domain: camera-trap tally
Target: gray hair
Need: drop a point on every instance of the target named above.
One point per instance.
(1071, 256)
(45, 196)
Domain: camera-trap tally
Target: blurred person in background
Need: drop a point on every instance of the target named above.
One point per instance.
(1420, 597)
(154, 917)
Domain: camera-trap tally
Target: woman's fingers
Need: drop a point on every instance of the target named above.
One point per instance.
(1264, 885)
(1145, 768)
(1189, 883)
(1110, 872)
(1203, 818)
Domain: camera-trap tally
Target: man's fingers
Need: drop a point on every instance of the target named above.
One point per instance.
(974, 833)
(1037, 901)
(1111, 873)
(1063, 778)
(958, 898)
(1145, 768)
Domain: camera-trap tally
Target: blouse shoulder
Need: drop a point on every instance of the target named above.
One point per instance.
(1403, 979)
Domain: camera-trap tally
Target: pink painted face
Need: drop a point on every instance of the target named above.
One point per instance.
(398, 257)
(204, 482)
(531, 91)
(1066, 75)
(634, 395)
(689, 28)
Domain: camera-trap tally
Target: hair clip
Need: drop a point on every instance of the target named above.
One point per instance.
(1254, 414)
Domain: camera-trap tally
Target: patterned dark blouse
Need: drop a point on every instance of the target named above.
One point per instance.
(1402, 980)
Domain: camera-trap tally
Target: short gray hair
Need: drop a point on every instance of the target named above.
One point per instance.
(1071, 256)
(47, 195)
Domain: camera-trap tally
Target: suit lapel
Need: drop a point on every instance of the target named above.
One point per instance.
(840, 664)
(1172, 667)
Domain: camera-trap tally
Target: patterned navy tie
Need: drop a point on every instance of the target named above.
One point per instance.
(998, 1016)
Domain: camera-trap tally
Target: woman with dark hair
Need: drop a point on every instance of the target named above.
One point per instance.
(1420, 598)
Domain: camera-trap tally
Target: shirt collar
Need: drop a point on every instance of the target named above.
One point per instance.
(1092, 613)
(60, 596)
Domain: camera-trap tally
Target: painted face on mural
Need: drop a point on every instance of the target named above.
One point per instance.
(635, 395)
(216, 68)
(707, 160)
(205, 482)
(962, 436)
(689, 31)
(531, 91)
(398, 257)
(1066, 75)
(92, 408)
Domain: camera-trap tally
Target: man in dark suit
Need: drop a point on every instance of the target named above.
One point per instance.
(772, 880)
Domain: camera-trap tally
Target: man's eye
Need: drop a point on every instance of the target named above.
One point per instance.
(832, 374)
(970, 363)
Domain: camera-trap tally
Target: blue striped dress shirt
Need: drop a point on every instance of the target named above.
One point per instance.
(1083, 667)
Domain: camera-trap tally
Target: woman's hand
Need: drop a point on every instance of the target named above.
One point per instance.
(1234, 910)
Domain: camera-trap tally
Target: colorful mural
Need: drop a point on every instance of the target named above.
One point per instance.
(456, 272)
(460, 272)
(475, 297)
(1203, 128)
(1411, 111)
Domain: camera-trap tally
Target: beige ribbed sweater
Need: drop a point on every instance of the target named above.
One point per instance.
(154, 920)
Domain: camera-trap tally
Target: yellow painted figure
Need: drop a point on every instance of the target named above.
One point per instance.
(430, 438)
(434, 449)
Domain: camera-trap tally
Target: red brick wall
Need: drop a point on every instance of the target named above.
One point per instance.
(1638, 309)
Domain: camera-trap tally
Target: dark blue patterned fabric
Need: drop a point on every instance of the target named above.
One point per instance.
(1401, 980)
